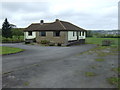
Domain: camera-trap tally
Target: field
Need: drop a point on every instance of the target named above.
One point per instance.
(95, 40)
(9, 50)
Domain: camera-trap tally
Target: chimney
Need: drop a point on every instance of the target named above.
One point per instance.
(57, 20)
(41, 22)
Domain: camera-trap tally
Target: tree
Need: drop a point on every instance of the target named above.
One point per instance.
(13, 26)
(17, 32)
(89, 33)
(6, 29)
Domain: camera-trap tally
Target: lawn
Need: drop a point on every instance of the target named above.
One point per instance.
(95, 40)
(9, 50)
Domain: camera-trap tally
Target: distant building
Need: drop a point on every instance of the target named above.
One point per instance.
(107, 32)
(113, 32)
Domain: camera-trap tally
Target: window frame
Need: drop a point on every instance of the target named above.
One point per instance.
(30, 33)
(42, 33)
(55, 34)
(80, 33)
(83, 33)
(73, 33)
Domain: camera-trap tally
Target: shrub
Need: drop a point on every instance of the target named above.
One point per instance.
(51, 44)
(59, 44)
(106, 42)
(45, 42)
(5, 39)
(13, 39)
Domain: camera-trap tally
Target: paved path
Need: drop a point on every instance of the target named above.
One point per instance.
(51, 67)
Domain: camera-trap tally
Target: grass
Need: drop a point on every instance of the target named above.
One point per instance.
(26, 83)
(99, 59)
(98, 41)
(95, 66)
(103, 51)
(9, 50)
(117, 70)
(114, 81)
(100, 51)
(90, 74)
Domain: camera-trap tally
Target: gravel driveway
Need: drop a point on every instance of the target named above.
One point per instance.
(53, 67)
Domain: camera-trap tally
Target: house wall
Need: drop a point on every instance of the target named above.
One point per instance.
(82, 37)
(26, 36)
(71, 37)
(49, 36)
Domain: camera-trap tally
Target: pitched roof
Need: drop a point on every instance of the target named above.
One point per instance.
(54, 26)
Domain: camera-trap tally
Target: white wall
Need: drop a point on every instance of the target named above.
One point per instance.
(71, 37)
(26, 36)
(82, 37)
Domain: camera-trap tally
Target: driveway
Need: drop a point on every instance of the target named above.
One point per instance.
(50, 67)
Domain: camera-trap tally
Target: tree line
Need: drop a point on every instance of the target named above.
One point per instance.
(10, 33)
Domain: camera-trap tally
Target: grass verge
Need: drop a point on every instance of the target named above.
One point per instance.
(9, 50)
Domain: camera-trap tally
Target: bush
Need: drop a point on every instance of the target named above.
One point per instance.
(106, 42)
(89, 34)
(13, 39)
(51, 44)
(59, 44)
(17, 32)
(45, 42)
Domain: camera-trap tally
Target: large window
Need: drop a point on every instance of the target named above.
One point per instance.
(56, 33)
(73, 33)
(42, 33)
(83, 33)
(30, 33)
(80, 33)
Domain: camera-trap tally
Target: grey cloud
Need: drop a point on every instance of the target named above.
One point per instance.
(25, 6)
(23, 14)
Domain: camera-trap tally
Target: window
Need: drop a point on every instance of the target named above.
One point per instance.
(30, 33)
(73, 33)
(80, 33)
(56, 33)
(42, 33)
(83, 33)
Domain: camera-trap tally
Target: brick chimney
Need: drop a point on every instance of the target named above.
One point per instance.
(41, 22)
(57, 20)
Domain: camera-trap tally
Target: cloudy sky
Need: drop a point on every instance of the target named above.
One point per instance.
(88, 14)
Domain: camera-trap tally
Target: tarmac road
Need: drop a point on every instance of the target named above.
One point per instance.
(50, 67)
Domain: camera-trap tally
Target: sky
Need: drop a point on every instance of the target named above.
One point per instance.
(87, 14)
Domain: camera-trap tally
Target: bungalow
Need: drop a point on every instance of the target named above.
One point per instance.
(61, 32)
